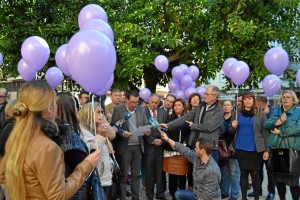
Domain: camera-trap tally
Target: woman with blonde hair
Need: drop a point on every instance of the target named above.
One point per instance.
(33, 165)
(284, 124)
(92, 121)
(90, 116)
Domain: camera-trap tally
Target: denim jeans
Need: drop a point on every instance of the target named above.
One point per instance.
(184, 195)
(230, 178)
(215, 155)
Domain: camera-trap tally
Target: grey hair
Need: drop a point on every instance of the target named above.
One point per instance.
(155, 95)
(215, 89)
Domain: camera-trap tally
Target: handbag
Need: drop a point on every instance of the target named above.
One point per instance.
(116, 167)
(224, 152)
(284, 161)
(96, 190)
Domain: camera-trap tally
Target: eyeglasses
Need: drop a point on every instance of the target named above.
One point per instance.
(208, 94)
(133, 102)
(3, 96)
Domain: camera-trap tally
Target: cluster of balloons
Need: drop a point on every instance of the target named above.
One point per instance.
(182, 84)
(237, 71)
(35, 54)
(276, 61)
(90, 58)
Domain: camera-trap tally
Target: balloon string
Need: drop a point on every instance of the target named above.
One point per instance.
(93, 122)
(165, 75)
(237, 98)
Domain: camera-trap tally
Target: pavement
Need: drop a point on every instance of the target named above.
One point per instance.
(263, 197)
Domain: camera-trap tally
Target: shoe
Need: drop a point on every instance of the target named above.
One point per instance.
(224, 196)
(128, 194)
(251, 194)
(270, 196)
(233, 198)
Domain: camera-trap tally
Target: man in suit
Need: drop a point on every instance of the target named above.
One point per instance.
(168, 103)
(115, 101)
(129, 144)
(153, 154)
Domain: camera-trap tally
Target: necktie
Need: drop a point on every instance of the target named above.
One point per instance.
(154, 114)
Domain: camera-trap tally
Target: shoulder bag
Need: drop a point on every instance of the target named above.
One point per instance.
(224, 152)
(96, 190)
(284, 161)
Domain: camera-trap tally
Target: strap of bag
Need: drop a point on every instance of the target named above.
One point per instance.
(283, 137)
(110, 147)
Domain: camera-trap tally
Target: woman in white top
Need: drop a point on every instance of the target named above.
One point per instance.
(93, 122)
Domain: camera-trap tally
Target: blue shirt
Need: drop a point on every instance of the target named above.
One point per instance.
(245, 135)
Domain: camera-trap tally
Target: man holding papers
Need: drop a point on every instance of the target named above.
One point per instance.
(129, 143)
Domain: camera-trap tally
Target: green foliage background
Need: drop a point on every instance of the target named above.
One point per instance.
(200, 32)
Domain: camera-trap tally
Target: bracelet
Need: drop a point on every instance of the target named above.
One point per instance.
(167, 140)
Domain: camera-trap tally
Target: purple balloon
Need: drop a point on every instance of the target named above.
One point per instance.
(276, 60)
(99, 25)
(173, 85)
(179, 94)
(145, 94)
(298, 77)
(188, 92)
(35, 52)
(186, 81)
(1, 58)
(201, 90)
(54, 76)
(91, 11)
(177, 73)
(271, 85)
(91, 59)
(239, 72)
(26, 72)
(161, 63)
(227, 66)
(193, 71)
(184, 68)
(106, 87)
(60, 59)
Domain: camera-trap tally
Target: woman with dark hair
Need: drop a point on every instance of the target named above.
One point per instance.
(174, 163)
(194, 101)
(8, 126)
(73, 146)
(284, 124)
(250, 144)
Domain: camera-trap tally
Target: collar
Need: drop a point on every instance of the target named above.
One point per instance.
(131, 112)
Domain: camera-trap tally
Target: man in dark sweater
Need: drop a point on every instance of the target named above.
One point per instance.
(206, 173)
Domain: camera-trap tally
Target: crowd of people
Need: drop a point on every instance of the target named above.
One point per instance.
(52, 143)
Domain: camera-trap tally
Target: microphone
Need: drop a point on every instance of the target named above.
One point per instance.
(120, 122)
(154, 124)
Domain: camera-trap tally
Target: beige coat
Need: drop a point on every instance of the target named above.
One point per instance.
(44, 171)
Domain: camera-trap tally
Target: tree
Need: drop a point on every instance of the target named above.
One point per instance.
(198, 32)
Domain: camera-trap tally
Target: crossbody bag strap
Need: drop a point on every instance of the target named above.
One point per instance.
(110, 147)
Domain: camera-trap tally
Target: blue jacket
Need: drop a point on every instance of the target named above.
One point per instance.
(290, 128)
